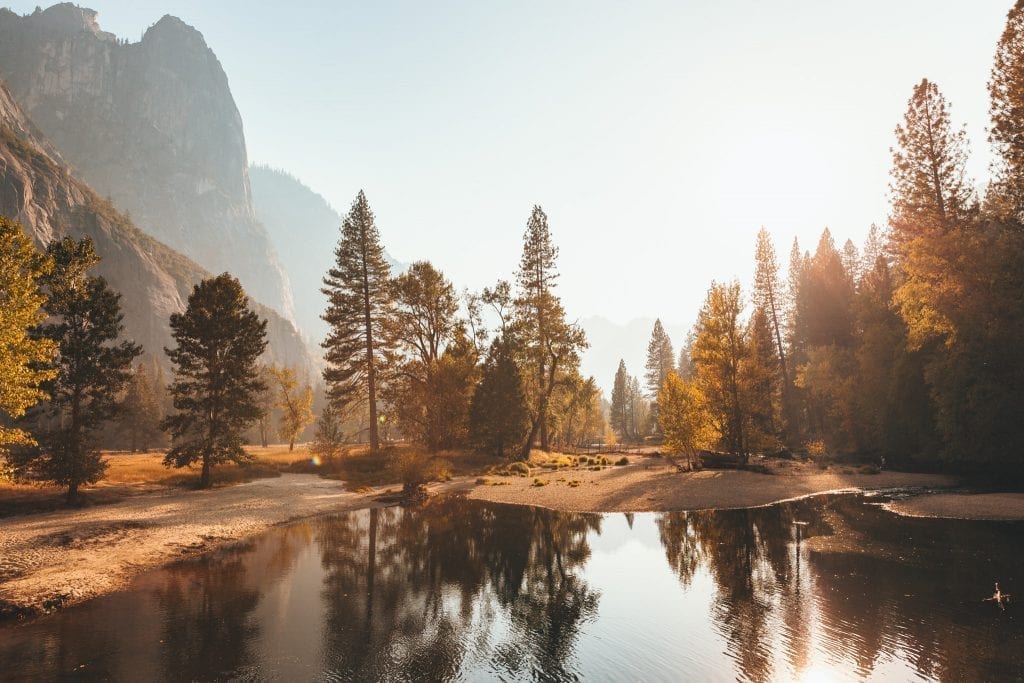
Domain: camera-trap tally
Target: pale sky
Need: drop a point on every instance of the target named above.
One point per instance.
(658, 136)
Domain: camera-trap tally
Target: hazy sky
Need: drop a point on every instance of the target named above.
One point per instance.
(658, 136)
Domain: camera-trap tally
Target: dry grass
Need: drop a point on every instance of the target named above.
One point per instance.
(131, 474)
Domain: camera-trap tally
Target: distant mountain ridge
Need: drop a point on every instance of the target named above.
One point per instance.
(38, 190)
(153, 126)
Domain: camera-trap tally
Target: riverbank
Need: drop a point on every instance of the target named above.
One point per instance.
(991, 506)
(652, 484)
(59, 558)
(63, 557)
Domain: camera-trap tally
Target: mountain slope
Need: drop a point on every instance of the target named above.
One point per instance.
(153, 126)
(39, 191)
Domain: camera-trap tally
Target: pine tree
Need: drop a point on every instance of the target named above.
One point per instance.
(329, 440)
(92, 369)
(24, 358)
(660, 359)
(359, 293)
(760, 382)
(851, 262)
(768, 297)
(931, 192)
(216, 377)
(296, 405)
(1006, 90)
(550, 346)
(874, 248)
(498, 415)
(618, 418)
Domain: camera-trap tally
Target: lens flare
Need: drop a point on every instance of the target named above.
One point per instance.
(315, 460)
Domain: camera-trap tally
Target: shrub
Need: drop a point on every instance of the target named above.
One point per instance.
(539, 482)
(483, 481)
(574, 483)
(519, 468)
(622, 461)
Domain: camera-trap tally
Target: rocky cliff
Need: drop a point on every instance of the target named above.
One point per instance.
(38, 190)
(153, 126)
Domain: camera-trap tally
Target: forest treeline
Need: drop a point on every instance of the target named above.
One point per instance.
(908, 349)
(407, 357)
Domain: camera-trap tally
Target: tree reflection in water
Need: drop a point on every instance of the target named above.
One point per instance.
(864, 588)
(411, 593)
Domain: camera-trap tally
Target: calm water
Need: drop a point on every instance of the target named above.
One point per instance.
(458, 590)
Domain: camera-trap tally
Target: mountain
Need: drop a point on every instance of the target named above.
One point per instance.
(304, 229)
(611, 341)
(152, 126)
(38, 190)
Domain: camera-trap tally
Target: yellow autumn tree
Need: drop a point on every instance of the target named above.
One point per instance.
(682, 419)
(24, 360)
(296, 404)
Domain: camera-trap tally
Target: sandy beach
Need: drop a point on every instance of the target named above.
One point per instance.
(994, 506)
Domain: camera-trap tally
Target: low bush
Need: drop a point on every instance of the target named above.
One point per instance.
(622, 461)
(519, 468)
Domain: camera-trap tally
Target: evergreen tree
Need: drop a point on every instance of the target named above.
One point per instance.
(141, 412)
(660, 361)
(618, 417)
(296, 405)
(216, 378)
(1007, 112)
(359, 299)
(329, 440)
(549, 345)
(851, 262)
(760, 382)
(24, 358)
(92, 369)
(768, 297)
(498, 415)
(874, 248)
(931, 193)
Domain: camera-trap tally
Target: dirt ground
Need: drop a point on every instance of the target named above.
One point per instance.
(998, 506)
(59, 558)
(65, 556)
(652, 484)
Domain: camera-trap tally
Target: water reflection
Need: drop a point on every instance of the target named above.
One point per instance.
(865, 593)
(423, 587)
(461, 590)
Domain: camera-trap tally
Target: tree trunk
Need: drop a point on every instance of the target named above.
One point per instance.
(204, 479)
(73, 492)
(291, 445)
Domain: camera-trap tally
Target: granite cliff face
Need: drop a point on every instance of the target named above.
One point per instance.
(38, 190)
(153, 126)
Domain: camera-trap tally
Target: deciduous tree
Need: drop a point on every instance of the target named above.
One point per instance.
(295, 404)
(24, 358)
